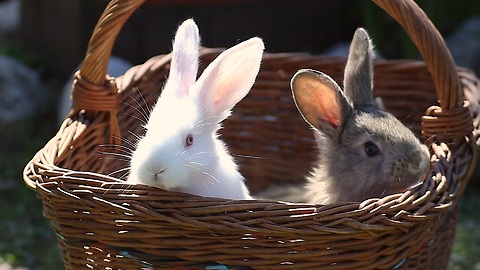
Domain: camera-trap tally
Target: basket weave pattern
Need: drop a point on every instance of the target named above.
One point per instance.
(102, 223)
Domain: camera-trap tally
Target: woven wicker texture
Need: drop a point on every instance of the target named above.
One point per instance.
(101, 223)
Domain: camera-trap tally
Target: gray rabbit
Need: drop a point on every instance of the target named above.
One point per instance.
(365, 152)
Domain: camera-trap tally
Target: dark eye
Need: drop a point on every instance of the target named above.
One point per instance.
(371, 149)
(189, 140)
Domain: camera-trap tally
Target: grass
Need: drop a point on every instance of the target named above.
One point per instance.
(26, 238)
(466, 252)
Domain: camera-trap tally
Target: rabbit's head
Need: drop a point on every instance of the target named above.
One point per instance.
(365, 152)
(180, 150)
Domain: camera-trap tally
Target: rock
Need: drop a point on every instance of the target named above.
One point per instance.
(464, 44)
(21, 91)
(116, 67)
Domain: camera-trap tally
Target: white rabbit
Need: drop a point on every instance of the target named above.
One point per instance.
(181, 150)
(365, 152)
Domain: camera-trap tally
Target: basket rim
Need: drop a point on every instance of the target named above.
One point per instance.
(42, 174)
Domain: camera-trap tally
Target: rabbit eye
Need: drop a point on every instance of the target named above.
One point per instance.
(371, 149)
(189, 140)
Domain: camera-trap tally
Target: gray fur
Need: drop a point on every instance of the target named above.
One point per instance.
(358, 80)
(344, 171)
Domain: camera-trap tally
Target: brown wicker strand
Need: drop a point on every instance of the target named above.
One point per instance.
(92, 97)
(432, 46)
(94, 67)
(453, 123)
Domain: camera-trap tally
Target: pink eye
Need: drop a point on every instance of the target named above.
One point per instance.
(189, 140)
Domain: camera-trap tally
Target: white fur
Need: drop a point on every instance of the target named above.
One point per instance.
(186, 106)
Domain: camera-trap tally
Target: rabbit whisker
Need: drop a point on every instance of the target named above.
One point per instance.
(126, 148)
(125, 189)
(193, 167)
(122, 151)
(144, 101)
(126, 141)
(122, 156)
(129, 187)
(113, 158)
(199, 153)
(122, 177)
(195, 163)
(201, 122)
(144, 112)
(204, 184)
(203, 172)
(201, 114)
(205, 124)
(143, 119)
(138, 118)
(198, 169)
(108, 189)
(138, 137)
(119, 170)
(116, 155)
(126, 169)
(197, 132)
(247, 156)
(211, 176)
(183, 152)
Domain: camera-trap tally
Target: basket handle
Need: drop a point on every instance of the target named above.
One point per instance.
(406, 12)
(94, 67)
(432, 47)
(449, 118)
(452, 119)
(93, 90)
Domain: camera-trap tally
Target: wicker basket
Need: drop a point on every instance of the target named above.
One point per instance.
(103, 224)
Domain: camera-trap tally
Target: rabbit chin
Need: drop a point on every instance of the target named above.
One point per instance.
(171, 179)
(410, 181)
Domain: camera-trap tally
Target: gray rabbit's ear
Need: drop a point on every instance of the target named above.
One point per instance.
(320, 101)
(358, 80)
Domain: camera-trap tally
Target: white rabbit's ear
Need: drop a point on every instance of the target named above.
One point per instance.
(228, 79)
(320, 101)
(358, 80)
(184, 64)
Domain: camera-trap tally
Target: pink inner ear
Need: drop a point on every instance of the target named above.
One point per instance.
(228, 93)
(226, 82)
(318, 102)
(328, 107)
